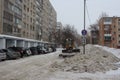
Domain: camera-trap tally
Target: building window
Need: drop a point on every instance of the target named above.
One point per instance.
(37, 3)
(7, 28)
(18, 1)
(27, 9)
(17, 10)
(106, 27)
(24, 16)
(8, 16)
(17, 20)
(33, 28)
(24, 7)
(119, 42)
(30, 27)
(113, 45)
(31, 20)
(118, 19)
(114, 26)
(114, 32)
(107, 32)
(28, 18)
(108, 19)
(113, 39)
(107, 38)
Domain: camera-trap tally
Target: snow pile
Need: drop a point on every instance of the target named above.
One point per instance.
(114, 51)
(95, 60)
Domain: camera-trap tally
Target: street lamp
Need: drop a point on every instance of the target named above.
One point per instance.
(84, 24)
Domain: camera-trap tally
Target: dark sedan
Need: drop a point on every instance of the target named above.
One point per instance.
(11, 54)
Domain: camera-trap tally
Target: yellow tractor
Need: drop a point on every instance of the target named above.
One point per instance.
(69, 48)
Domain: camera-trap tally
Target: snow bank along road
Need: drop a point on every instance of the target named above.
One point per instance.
(38, 68)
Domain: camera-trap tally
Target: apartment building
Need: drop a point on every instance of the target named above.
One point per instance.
(38, 24)
(29, 19)
(52, 24)
(59, 32)
(94, 39)
(109, 31)
(94, 32)
(11, 17)
(33, 19)
(59, 26)
(49, 21)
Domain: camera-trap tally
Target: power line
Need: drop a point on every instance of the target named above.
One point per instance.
(89, 19)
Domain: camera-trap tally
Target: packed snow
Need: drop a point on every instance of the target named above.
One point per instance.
(114, 51)
(99, 63)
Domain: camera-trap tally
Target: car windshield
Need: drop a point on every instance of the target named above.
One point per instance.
(10, 50)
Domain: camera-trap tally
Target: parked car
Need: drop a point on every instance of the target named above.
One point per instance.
(27, 52)
(42, 50)
(34, 50)
(2, 55)
(50, 49)
(53, 48)
(18, 49)
(11, 54)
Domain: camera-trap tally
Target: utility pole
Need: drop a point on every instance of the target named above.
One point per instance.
(84, 26)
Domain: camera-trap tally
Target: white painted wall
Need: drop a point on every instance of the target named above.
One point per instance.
(20, 43)
(2, 44)
(32, 44)
(26, 44)
(35, 44)
(10, 42)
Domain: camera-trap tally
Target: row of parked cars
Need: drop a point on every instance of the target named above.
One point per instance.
(20, 52)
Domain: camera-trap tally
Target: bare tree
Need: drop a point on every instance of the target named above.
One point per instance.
(70, 32)
(94, 29)
(101, 16)
(95, 26)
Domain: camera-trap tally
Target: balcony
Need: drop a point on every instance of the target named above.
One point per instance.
(107, 28)
(17, 34)
(19, 26)
(107, 23)
(107, 35)
(107, 38)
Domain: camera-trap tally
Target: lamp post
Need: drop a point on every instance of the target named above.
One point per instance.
(84, 14)
(84, 25)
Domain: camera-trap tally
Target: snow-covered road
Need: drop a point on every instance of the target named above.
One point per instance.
(30, 68)
(37, 68)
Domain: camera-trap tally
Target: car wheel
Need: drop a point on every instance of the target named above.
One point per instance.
(3, 60)
(8, 57)
(43, 52)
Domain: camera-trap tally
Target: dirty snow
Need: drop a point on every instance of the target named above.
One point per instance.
(39, 67)
(94, 60)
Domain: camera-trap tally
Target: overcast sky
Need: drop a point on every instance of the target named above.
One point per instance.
(71, 11)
